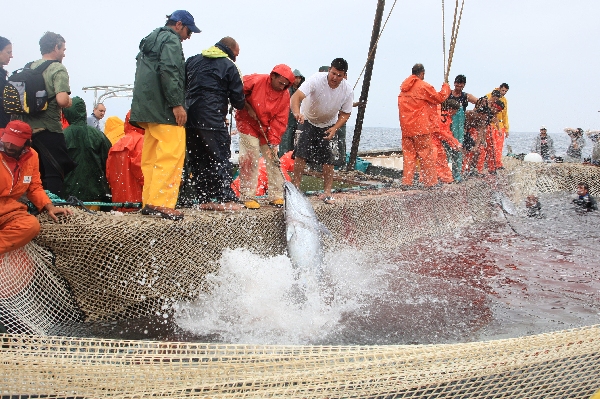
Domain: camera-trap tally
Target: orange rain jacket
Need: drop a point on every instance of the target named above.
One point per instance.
(124, 166)
(18, 177)
(417, 106)
(272, 107)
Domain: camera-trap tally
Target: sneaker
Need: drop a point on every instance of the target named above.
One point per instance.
(251, 204)
(163, 212)
(278, 202)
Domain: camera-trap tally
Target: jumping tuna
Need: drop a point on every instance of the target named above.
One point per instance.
(303, 233)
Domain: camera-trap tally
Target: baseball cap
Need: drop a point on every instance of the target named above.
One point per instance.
(186, 19)
(16, 132)
(543, 128)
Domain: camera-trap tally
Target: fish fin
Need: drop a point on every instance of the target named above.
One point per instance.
(289, 232)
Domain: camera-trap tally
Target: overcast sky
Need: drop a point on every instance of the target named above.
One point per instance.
(547, 51)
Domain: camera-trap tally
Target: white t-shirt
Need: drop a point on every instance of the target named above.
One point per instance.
(322, 103)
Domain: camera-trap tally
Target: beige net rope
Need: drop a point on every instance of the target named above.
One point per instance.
(557, 365)
(106, 267)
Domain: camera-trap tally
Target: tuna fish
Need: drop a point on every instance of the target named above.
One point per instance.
(304, 234)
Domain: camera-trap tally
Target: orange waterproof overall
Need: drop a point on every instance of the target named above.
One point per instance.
(444, 173)
(18, 177)
(419, 118)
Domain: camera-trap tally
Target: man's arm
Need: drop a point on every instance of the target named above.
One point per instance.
(435, 96)
(471, 98)
(342, 118)
(61, 87)
(278, 123)
(295, 102)
(63, 100)
(235, 86)
(505, 116)
(171, 67)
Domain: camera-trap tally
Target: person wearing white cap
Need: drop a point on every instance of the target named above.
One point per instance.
(544, 145)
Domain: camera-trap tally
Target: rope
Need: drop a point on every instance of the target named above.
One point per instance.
(56, 200)
(375, 46)
(444, 33)
(455, 28)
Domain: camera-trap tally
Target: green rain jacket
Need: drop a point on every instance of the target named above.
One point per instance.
(159, 78)
(88, 147)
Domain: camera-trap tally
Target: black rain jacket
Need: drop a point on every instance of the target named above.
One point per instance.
(212, 82)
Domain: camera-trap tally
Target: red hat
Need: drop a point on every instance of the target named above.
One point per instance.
(16, 132)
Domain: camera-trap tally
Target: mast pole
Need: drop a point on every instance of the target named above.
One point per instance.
(366, 83)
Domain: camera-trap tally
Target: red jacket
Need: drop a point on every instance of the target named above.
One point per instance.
(124, 165)
(417, 106)
(272, 107)
(18, 177)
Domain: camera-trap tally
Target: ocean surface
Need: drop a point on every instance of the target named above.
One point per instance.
(376, 138)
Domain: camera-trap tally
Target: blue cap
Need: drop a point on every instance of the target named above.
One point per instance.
(185, 18)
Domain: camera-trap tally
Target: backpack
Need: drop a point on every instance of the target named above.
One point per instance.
(25, 91)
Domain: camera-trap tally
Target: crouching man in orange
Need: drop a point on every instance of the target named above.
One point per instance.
(20, 174)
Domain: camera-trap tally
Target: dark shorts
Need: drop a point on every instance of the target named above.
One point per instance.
(312, 145)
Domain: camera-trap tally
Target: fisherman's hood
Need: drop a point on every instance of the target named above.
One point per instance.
(298, 73)
(148, 43)
(76, 113)
(284, 71)
(409, 83)
(218, 51)
(129, 128)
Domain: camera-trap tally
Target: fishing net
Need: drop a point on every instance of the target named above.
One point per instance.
(111, 266)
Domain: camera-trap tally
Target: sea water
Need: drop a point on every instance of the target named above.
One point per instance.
(378, 138)
(510, 277)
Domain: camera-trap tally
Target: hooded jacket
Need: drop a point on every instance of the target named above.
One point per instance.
(159, 78)
(88, 147)
(292, 90)
(213, 80)
(18, 178)
(124, 165)
(417, 106)
(271, 107)
(114, 129)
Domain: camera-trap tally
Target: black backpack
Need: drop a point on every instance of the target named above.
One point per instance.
(25, 92)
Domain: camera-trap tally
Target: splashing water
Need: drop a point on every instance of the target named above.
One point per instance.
(253, 299)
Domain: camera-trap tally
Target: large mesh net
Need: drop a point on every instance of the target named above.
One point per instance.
(110, 267)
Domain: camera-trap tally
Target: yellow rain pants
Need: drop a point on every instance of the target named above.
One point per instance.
(163, 154)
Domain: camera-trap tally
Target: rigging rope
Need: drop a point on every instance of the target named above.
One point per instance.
(375, 46)
(455, 27)
(444, 33)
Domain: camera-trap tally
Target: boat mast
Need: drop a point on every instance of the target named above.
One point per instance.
(366, 83)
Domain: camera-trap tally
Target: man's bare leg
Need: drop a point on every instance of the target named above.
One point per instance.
(299, 166)
(327, 179)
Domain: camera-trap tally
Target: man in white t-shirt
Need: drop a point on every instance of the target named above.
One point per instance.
(321, 105)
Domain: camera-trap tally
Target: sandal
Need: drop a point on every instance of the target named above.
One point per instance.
(329, 200)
